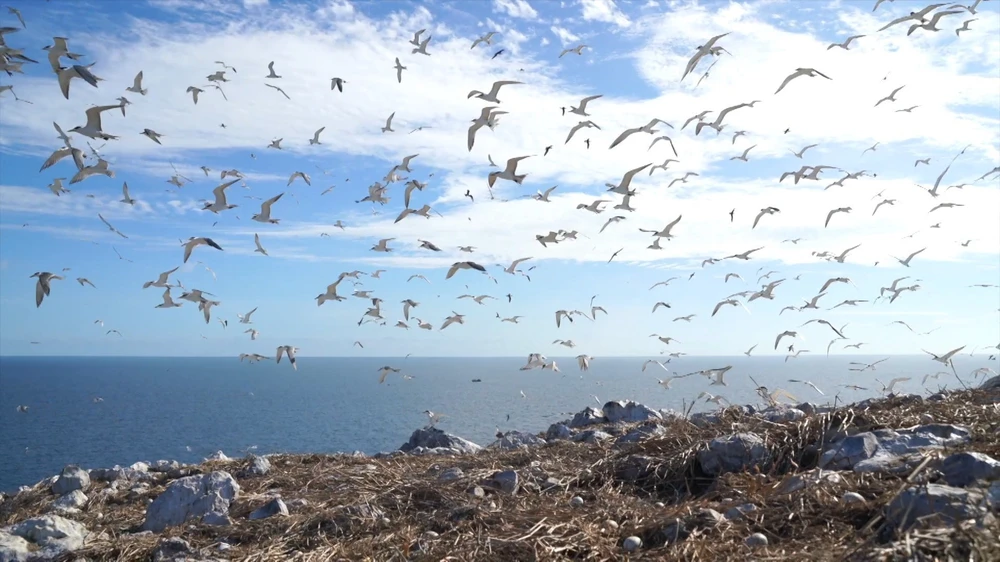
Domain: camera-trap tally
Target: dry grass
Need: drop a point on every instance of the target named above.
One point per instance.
(382, 509)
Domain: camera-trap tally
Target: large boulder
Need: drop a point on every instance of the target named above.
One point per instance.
(629, 412)
(590, 416)
(517, 440)
(732, 453)
(71, 478)
(203, 497)
(962, 469)
(434, 438)
(883, 449)
(41, 538)
(934, 505)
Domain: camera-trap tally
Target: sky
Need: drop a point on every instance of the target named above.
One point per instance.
(635, 57)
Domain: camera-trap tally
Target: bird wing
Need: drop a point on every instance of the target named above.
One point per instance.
(625, 134)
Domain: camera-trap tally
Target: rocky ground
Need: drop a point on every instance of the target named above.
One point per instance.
(902, 478)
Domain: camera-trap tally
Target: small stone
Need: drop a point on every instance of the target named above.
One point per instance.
(271, 508)
(632, 544)
(756, 539)
(576, 501)
(852, 497)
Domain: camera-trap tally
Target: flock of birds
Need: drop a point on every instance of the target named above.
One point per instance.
(88, 163)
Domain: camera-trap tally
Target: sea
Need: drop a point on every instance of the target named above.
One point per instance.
(101, 411)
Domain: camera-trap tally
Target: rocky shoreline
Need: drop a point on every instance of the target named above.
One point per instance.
(905, 477)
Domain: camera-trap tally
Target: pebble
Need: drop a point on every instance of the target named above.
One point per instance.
(852, 497)
(756, 539)
(576, 501)
(632, 544)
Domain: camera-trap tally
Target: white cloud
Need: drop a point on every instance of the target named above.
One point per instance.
(565, 36)
(543, 42)
(604, 11)
(254, 3)
(515, 8)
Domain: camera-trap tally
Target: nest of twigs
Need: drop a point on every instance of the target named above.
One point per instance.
(397, 508)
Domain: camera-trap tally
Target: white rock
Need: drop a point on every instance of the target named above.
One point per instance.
(756, 539)
(71, 501)
(270, 509)
(71, 478)
(576, 501)
(632, 544)
(13, 548)
(203, 496)
(629, 411)
(52, 535)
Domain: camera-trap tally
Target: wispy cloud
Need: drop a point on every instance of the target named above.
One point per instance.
(515, 9)
(604, 11)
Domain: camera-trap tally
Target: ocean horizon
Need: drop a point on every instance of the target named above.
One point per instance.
(186, 408)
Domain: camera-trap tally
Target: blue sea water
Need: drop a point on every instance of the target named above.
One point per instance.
(188, 408)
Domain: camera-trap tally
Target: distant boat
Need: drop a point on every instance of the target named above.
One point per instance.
(477, 380)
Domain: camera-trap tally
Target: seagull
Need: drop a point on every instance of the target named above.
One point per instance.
(93, 127)
(399, 71)
(700, 54)
(918, 15)
(665, 233)
(111, 228)
(453, 319)
(161, 281)
(245, 318)
(137, 85)
(579, 126)
(833, 212)
(487, 39)
(290, 351)
(265, 211)
(764, 211)
(509, 172)
(270, 71)
(647, 128)
(965, 26)
(220, 203)
(260, 249)
(276, 144)
(578, 50)
(42, 286)
(168, 302)
(584, 362)
(65, 75)
(906, 262)
(582, 109)
(461, 265)
(57, 187)
(193, 242)
(743, 156)
(890, 97)
(384, 372)
(315, 139)
(84, 281)
(845, 45)
(337, 84)
(279, 89)
(944, 359)
(804, 149)
(421, 46)
(932, 24)
(810, 72)
(58, 155)
(816, 388)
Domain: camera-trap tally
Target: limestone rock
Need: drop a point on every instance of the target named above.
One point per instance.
(204, 496)
(558, 431)
(72, 501)
(270, 509)
(641, 433)
(962, 469)
(47, 537)
(71, 478)
(629, 412)
(732, 453)
(934, 505)
(590, 416)
(432, 438)
(516, 440)
(506, 481)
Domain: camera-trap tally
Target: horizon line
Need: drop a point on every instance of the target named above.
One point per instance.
(20, 356)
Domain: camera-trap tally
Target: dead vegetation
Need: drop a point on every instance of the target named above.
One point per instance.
(397, 508)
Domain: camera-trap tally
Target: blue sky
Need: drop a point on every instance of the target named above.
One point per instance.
(635, 56)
